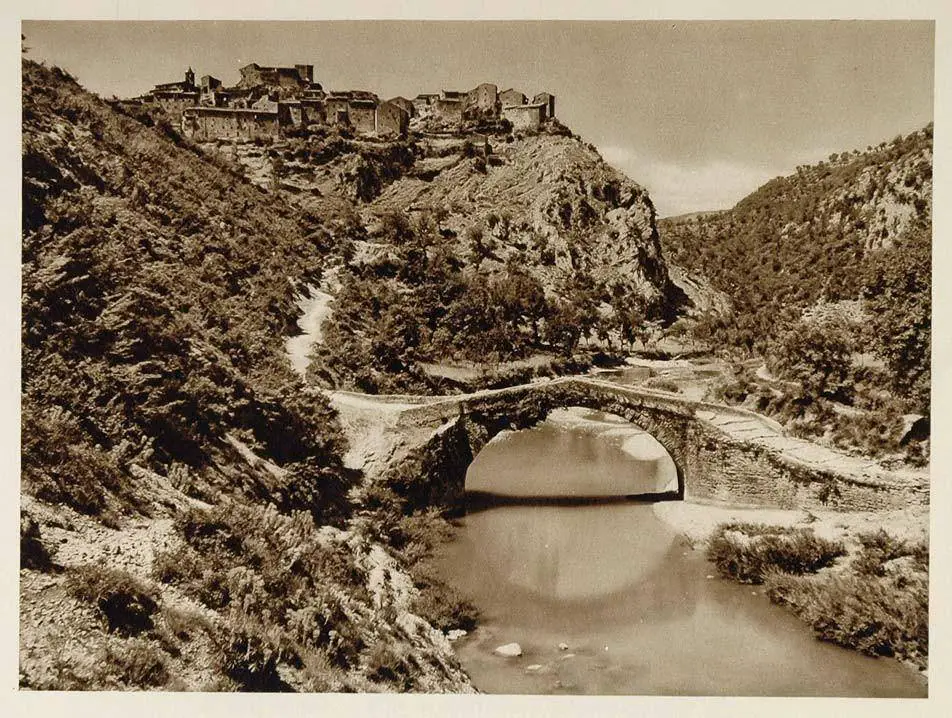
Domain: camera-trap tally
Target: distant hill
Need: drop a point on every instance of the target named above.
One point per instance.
(807, 236)
(855, 227)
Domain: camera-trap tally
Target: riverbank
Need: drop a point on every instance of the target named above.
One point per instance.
(874, 596)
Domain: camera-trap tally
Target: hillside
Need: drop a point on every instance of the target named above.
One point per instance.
(827, 273)
(186, 518)
(470, 247)
(806, 236)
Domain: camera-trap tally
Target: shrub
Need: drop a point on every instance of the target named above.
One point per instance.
(874, 615)
(33, 553)
(136, 663)
(441, 605)
(250, 656)
(745, 552)
(385, 663)
(125, 602)
(878, 548)
(186, 625)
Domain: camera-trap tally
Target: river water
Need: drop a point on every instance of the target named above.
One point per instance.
(552, 553)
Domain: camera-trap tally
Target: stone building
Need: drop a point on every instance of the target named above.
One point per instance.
(392, 119)
(423, 101)
(524, 117)
(173, 97)
(363, 115)
(404, 104)
(482, 98)
(511, 97)
(547, 99)
(209, 83)
(299, 76)
(213, 123)
(449, 110)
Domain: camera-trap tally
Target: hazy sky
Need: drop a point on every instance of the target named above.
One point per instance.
(701, 113)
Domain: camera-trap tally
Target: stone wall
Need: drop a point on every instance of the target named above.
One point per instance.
(363, 116)
(174, 103)
(392, 119)
(449, 111)
(512, 97)
(211, 123)
(482, 98)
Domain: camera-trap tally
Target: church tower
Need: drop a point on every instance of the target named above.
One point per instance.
(189, 78)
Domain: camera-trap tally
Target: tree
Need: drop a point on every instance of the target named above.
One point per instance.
(897, 291)
(818, 354)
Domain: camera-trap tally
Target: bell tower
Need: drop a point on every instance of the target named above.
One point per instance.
(189, 78)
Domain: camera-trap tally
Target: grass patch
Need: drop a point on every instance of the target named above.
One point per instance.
(747, 552)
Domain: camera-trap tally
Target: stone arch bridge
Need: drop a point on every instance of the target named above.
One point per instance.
(421, 446)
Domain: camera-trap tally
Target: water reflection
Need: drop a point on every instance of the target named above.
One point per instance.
(552, 551)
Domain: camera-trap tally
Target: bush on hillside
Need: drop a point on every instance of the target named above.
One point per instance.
(126, 603)
(880, 616)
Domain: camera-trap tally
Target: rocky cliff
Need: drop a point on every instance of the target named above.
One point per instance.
(552, 203)
(545, 199)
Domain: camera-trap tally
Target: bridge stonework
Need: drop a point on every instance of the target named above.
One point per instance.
(722, 454)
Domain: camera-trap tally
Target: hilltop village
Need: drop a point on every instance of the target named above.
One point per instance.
(274, 101)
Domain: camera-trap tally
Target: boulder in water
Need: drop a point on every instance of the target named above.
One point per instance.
(509, 650)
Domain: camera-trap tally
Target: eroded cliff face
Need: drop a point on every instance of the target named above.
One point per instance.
(551, 203)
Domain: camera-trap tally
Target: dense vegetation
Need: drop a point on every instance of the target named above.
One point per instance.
(418, 301)
(874, 599)
(828, 272)
(150, 314)
(830, 232)
(158, 286)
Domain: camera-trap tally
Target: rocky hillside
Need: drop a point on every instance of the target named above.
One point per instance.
(475, 247)
(551, 203)
(186, 518)
(828, 276)
(546, 199)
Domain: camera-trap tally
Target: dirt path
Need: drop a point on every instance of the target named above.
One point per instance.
(314, 309)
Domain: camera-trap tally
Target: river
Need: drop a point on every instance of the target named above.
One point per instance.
(552, 553)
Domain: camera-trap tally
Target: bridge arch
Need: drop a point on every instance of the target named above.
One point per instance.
(436, 475)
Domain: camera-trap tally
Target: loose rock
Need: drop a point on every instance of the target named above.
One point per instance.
(509, 650)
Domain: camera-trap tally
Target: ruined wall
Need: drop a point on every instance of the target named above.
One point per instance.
(512, 97)
(363, 117)
(313, 112)
(404, 104)
(548, 101)
(205, 123)
(482, 98)
(449, 111)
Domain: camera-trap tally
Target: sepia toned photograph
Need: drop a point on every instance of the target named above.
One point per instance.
(521, 357)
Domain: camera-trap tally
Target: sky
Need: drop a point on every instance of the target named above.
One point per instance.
(700, 113)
